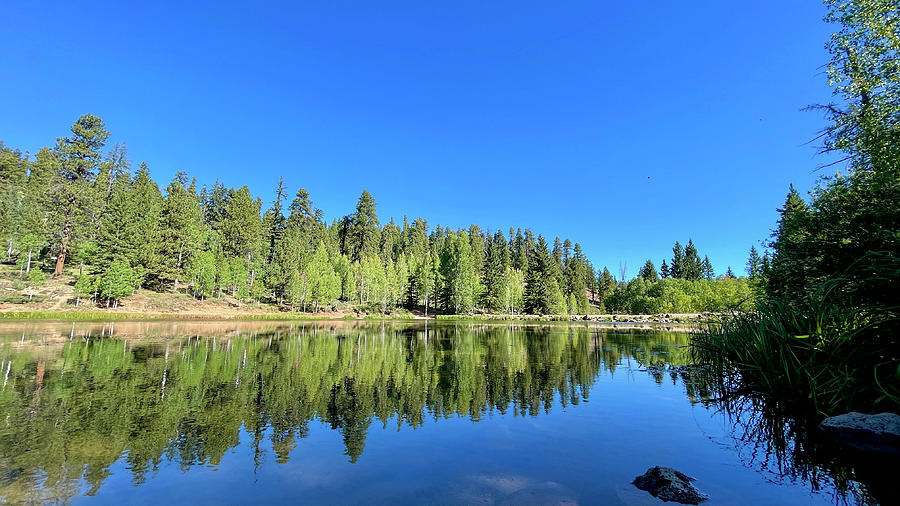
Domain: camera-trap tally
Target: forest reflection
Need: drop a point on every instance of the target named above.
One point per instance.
(76, 402)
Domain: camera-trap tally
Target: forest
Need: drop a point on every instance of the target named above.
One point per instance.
(73, 211)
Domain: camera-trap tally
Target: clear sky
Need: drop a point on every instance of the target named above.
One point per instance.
(622, 125)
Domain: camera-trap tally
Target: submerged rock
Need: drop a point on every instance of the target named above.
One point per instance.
(669, 485)
(869, 433)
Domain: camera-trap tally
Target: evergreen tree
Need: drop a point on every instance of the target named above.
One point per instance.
(79, 156)
(792, 259)
(754, 263)
(181, 229)
(495, 268)
(693, 267)
(85, 286)
(648, 272)
(606, 285)
(363, 229)
(540, 286)
(677, 267)
(707, 269)
(116, 282)
(664, 270)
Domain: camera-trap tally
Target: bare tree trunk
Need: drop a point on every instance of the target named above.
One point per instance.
(63, 248)
(28, 265)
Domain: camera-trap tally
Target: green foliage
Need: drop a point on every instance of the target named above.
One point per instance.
(542, 294)
(117, 281)
(458, 274)
(363, 231)
(85, 286)
(681, 296)
(865, 75)
(648, 272)
(78, 206)
(324, 284)
(827, 335)
(275, 386)
(816, 351)
(203, 269)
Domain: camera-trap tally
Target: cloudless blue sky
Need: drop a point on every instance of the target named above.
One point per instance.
(622, 125)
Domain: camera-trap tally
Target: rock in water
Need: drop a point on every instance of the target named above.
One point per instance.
(870, 433)
(669, 485)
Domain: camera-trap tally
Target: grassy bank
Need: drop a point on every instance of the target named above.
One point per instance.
(394, 315)
(817, 354)
(103, 315)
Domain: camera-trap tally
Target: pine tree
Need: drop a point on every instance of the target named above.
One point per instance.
(116, 282)
(495, 267)
(648, 271)
(664, 270)
(181, 229)
(146, 198)
(792, 259)
(539, 282)
(693, 266)
(606, 285)
(754, 263)
(79, 156)
(707, 268)
(677, 267)
(363, 230)
(85, 286)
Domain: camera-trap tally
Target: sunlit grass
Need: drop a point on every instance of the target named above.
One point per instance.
(819, 353)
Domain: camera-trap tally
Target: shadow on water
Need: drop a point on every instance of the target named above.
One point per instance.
(786, 445)
(75, 401)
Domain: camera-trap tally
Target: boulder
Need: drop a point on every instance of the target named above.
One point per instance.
(869, 433)
(669, 485)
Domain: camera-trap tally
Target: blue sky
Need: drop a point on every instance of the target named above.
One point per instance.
(622, 125)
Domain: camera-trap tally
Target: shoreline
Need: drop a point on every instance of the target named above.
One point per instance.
(616, 319)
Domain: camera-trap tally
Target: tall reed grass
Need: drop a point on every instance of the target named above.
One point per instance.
(832, 352)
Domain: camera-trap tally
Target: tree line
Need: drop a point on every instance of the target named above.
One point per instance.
(73, 209)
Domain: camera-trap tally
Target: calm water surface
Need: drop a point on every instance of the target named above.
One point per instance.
(352, 413)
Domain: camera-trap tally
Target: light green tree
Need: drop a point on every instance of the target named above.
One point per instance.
(116, 282)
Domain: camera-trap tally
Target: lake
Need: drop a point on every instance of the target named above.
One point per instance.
(382, 412)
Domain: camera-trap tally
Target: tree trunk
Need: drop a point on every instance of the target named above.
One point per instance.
(63, 248)
(28, 265)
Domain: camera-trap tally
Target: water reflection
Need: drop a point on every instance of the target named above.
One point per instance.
(76, 400)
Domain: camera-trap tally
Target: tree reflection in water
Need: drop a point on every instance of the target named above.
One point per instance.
(76, 402)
